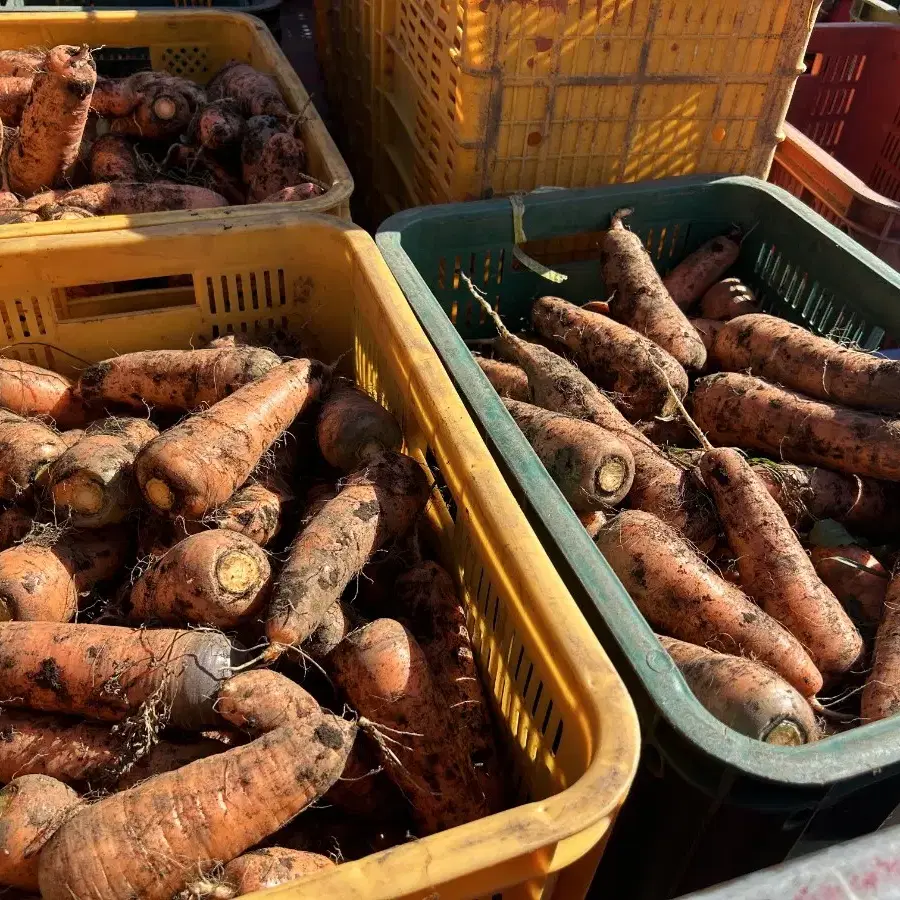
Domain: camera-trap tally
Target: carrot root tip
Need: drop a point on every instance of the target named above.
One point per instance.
(236, 571)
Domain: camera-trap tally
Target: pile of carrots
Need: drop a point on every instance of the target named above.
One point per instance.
(739, 474)
(190, 656)
(75, 145)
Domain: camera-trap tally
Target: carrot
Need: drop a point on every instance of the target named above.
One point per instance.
(707, 329)
(593, 522)
(198, 464)
(728, 299)
(507, 379)
(18, 217)
(295, 193)
(267, 868)
(217, 125)
(26, 449)
(22, 62)
(53, 121)
(42, 582)
(8, 200)
(336, 624)
(125, 198)
(164, 108)
(852, 573)
(427, 597)
(113, 97)
(174, 380)
(112, 158)
(106, 672)
(15, 523)
(592, 467)
(772, 348)
(257, 94)
(81, 753)
(353, 428)
(32, 808)
(71, 437)
(31, 391)
(638, 297)
(15, 92)
(216, 578)
(261, 700)
(659, 485)
(385, 675)
(745, 695)
(280, 165)
(881, 695)
(260, 130)
(668, 432)
(803, 492)
(744, 411)
(697, 273)
(613, 356)
(681, 595)
(596, 306)
(92, 481)
(375, 505)
(775, 570)
(210, 810)
(255, 511)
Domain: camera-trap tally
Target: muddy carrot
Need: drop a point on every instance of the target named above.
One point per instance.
(31, 391)
(639, 298)
(508, 380)
(774, 568)
(881, 695)
(198, 464)
(26, 449)
(697, 273)
(728, 299)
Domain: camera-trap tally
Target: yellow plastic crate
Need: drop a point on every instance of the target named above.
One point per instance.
(193, 43)
(571, 728)
(495, 97)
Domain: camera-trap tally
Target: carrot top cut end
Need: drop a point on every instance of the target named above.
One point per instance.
(236, 571)
(159, 494)
(786, 734)
(79, 493)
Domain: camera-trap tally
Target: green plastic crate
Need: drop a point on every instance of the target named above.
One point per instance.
(709, 803)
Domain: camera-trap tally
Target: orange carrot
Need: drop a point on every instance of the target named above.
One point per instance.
(681, 595)
(217, 125)
(58, 212)
(745, 695)
(507, 379)
(707, 329)
(92, 481)
(126, 198)
(198, 464)
(113, 97)
(259, 131)
(775, 570)
(8, 200)
(255, 511)
(279, 166)
(744, 411)
(592, 467)
(53, 121)
(427, 597)
(336, 624)
(596, 306)
(267, 868)
(174, 380)
(112, 158)
(105, 672)
(697, 273)
(376, 504)
(22, 62)
(210, 810)
(162, 105)
(659, 485)
(772, 348)
(384, 674)
(353, 428)
(257, 94)
(728, 299)
(166, 757)
(18, 217)
(41, 582)
(32, 808)
(14, 94)
(31, 391)
(639, 298)
(613, 356)
(881, 695)
(216, 578)
(593, 522)
(26, 449)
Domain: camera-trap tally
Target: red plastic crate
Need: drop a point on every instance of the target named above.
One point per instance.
(841, 154)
